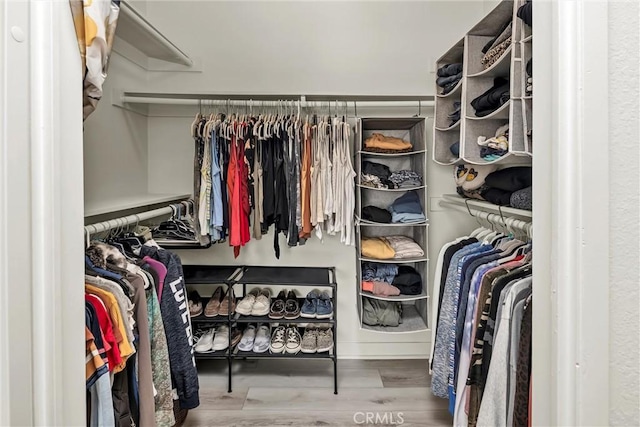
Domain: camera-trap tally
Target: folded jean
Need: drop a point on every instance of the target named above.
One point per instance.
(407, 203)
(448, 88)
(406, 218)
(443, 81)
(493, 98)
(450, 70)
(377, 272)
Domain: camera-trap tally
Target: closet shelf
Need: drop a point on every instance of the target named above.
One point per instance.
(395, 260)
(486, 206)
(365, 187)
(500, 113)
(221, 354)
(411, 323)
(130, 202)
(288, 276)
(456, 125)
(409, 153)
(498, 69)
(422, 295)
(251, 354)
(391, 224)
(454, 93)
(134, 29)
(449, 162)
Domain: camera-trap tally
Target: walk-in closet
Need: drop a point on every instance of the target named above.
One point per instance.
(315, 213)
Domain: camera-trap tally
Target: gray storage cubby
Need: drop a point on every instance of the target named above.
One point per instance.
(476, 80)
(445, 133)
(411, 129)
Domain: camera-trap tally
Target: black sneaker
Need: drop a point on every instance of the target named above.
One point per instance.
(292, 307)
(278, 305)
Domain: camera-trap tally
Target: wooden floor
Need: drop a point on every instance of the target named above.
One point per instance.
(300, 393)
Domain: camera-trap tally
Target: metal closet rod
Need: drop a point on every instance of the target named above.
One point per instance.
(496, 219)
(99, 227)
(282, 100)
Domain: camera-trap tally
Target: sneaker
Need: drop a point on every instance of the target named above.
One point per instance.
(325, 340)
(221, 340)
(308, 309)
(205, 343)
(246, 304)
(236, 336)
(248, 338)
(229, 299)
(261, 343)
(309, 340)
(212, 308)
(277, 307)
(324, 310)
(294, 340)
(262, 304)
(277, 340)
(195, 304)
(291, 307)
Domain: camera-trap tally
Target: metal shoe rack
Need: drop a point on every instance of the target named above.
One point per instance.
(198, 276)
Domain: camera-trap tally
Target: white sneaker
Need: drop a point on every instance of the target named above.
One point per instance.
(245, 306)
(277, 340)
(262, 304)
(294, 340)
(261, 343)
(205, 343)
(248, 338)
(221, 340)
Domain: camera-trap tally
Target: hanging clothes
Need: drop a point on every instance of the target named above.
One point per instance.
(252, 173)
(482, 283)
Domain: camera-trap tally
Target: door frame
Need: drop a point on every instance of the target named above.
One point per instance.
(41, 197)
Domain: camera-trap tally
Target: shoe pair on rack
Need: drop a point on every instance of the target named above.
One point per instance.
(317, 339)
(255, 339)
(255, 303)
(317, 305)
(216, 306)
(285, 306)
(215, 339)
(285, 339)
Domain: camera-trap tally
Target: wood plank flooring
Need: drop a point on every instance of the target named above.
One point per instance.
(299, 393)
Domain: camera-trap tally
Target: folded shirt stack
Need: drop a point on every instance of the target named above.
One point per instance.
(372, 181)
(493, 98)
(504, 187)
(407, 209)
(389, 280)
(449, 76)
(377, 312)
(497, 46)
(377, 175)
(379, 143)
(455, 116)
(376, 214)
(390, 247)
(405, 179)
(493, 148)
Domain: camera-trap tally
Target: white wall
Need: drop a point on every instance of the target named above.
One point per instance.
(624, 205)
(358, 48)
(115, 141)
